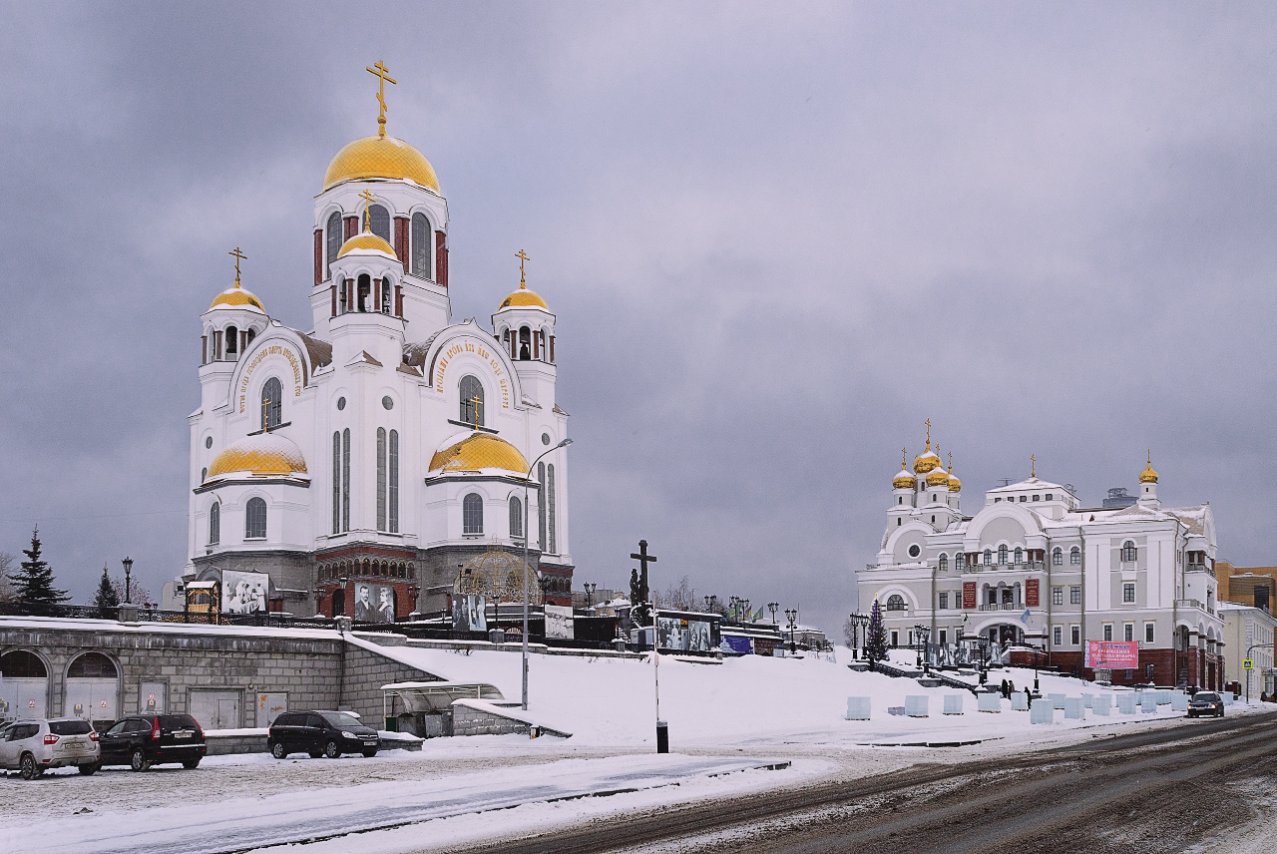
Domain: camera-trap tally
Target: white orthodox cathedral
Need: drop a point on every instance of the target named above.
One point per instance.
(383, 444)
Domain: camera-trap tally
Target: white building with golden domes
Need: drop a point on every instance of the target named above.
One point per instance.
(1034, 566)
(383, 444)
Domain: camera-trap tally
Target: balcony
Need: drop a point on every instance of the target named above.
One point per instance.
(1002, 606)
(1028, 566)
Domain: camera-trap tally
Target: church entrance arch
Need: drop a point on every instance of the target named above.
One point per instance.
(1004, 635)
(93, 688)
(24, 685)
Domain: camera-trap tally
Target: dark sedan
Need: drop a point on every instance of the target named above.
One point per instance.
(1206, 703)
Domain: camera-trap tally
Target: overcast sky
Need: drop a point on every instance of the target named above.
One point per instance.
(777, 238)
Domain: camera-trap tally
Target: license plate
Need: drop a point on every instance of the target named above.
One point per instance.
(182, 733)
(370, 744)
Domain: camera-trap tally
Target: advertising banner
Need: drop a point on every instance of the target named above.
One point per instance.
(558, 621)
(374, 603)
(469, 613)
(683, 634)
(1112, 655)
(737, 645)
(244, 592)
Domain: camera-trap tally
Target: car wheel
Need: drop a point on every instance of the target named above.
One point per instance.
(277, 750)
(28, 768)
(138, 761)
(190, 764)
(369, 754)
(331, 750)
(89, 770)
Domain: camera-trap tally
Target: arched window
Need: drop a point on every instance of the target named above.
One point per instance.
(255, 519)
(1075, 556)
(1002, 554)
(525, 344)
(92, 665)
(1128, 552)
(345, 479)
(541, 506)
(394, 481)
(895, 602)
(472, 514)
(381, 478)
(944, 562)
(1057, 557)
(549, 496)
(232, 342)
(215, 524)
(20, 663)
(516, 518)
(272, 404)
(988, 556)
(380, 222)
(385, 296)
(363, 293)
(422, 245)
(334, 242)
(960, 561)
(471, 393)
(1019, 555)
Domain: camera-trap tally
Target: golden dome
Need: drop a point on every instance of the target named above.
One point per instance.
(938, 477)
(1149, 475)
(904, 480)
(237, 297)
(366, 241)
(955, 485)
(523, 298)
(263, 455)
(381, 157)
(479, 451)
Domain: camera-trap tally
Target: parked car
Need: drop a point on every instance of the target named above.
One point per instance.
(1206, 703)
(33, 746)
(320, 733)
(141, 741)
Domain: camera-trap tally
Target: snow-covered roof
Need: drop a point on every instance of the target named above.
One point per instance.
(1031, 483)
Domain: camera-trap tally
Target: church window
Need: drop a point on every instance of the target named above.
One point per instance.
(422, 244)
(1075, 556)
(525, 344)
(944, 562)
(272, 404)
(232, 342)
(960, 561)
(337, 481)
(394, 481)
(988, 556)
(541, 506)
(381, 478)
(471, 393)
(915, 550)
(895, 602)
(379, 222)
(385, 296)
(549, 489)
(472, 514)
(944, 602)
(364, 292)
(208, 442)
(215, 524)
(1002, 554)
(1057, 557)
(255, 520)
(1050, 496)
(345, 479)
(341, 404)
(1019, 555)
(203, 475)
(1037, 498)
(334, 241)
(1128, 552)
(516, 518)
(343, 297)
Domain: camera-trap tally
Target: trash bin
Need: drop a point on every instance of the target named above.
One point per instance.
(392, 723)
(662, 737)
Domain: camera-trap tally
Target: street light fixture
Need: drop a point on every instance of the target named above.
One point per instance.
(128, 580)
(772, 606)
(859, 622)
(527, 536)
(923, 635)
(791, 614)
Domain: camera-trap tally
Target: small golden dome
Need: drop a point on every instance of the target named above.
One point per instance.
(381, 157)
(904, 480)
(938, 476)
(1149, 475)
(479, 451)
(523, 298)
(955, 485)
(364, 242)
(263, 455)
(238, 297)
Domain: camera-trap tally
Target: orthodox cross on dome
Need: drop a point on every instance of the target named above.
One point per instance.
(475, 403)
(928, 423)
(523, 259)
(239, 256)
(951, 462)
(366, 195)
(382, 74)
(904, 459)
(1033, 465)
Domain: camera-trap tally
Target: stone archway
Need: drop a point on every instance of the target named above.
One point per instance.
(24, 688)
(93, 688)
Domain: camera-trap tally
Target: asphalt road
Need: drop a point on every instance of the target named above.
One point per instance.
(1210, 785)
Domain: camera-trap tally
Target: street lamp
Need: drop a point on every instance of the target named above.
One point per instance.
(589, 595)
(128, 580)
(735, 603)
(923, 634)
(772, 606)
(527, 536)
(744, 605)
(791, 614)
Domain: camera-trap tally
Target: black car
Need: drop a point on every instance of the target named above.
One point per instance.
(321, 734)
(141, 741)
(1206, 703)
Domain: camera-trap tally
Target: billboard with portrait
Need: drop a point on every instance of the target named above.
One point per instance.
(374, 603)
(244, 592)
(685, 632)
(558, 621)
(469, 613)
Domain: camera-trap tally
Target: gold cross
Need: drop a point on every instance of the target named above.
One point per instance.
(928, 423)
(523, 258)
(265, 414)
(1033, 463)
(474, 409)
(366, 195)
(904, 459)
(239, 256)
(383, 77)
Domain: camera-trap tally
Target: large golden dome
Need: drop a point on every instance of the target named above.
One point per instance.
(479, 451)
(238, 297)
(926, 462)
(365, 242)
(381, 157)
(938, 477)
(262, 455)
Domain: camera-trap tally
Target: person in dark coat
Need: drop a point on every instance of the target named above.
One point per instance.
(1028, 695)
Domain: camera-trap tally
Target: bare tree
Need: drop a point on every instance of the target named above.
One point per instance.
(680, 597)
(6, 586)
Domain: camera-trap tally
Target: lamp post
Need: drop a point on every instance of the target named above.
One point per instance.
(744, 606)
(923, 634)
(589, 595)
(858, 622)
(772, 606)
(735, 604)
(791, 614)
(128, 580)
(527, 536)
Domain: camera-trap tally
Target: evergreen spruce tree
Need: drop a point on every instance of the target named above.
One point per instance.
(107, 600)
(875, 638)
(33, 583)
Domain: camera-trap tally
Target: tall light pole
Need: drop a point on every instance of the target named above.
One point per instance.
(128, 580)
(527, 535)
(772, 606)
(791, 614)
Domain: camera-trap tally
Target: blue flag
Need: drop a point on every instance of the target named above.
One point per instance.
(1024, 618)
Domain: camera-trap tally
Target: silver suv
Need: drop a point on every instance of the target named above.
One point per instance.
(31, 747)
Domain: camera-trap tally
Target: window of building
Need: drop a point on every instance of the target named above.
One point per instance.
(1128, 594)
(1050, 496)
(944, 601)
(255, 519)
(214, 524)
(1057, 595)
(1002, 554)
(1075, 634)
(997, 501)
(516, 518)
(1075, 556)
(1057, 635)
(345, 479)
(394, 482)
(988, 556)
(944, 637)
(1023, 498)
(472, 514)
(895, 638)
(337, 482)
(272, 404)
(1149, 632)
(422, 245)
(471, 393)
(915, 550)
(960, 561)
(1128, 631)
(1019, 555)
(1128, 552)
(1037, 498)
(385, 295)
(1057, 557)
(381, 478)
(379, 222)
(1108, 631)
(550, 493)
(944, 562)
(895, 602)
(334, 242)
(1075, 595)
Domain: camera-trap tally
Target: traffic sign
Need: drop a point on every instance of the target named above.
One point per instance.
(1247, 664)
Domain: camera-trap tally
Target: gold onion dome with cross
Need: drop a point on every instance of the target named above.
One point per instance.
(237, 296)
(477, 452)
(365, 242)
(523, 297)
(1149, 475)
(904, 479)
(260, 455)
(928, 460)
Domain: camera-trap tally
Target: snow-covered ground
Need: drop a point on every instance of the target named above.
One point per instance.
(727, 722)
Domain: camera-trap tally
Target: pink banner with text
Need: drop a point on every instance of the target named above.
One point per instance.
(1112, 655)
